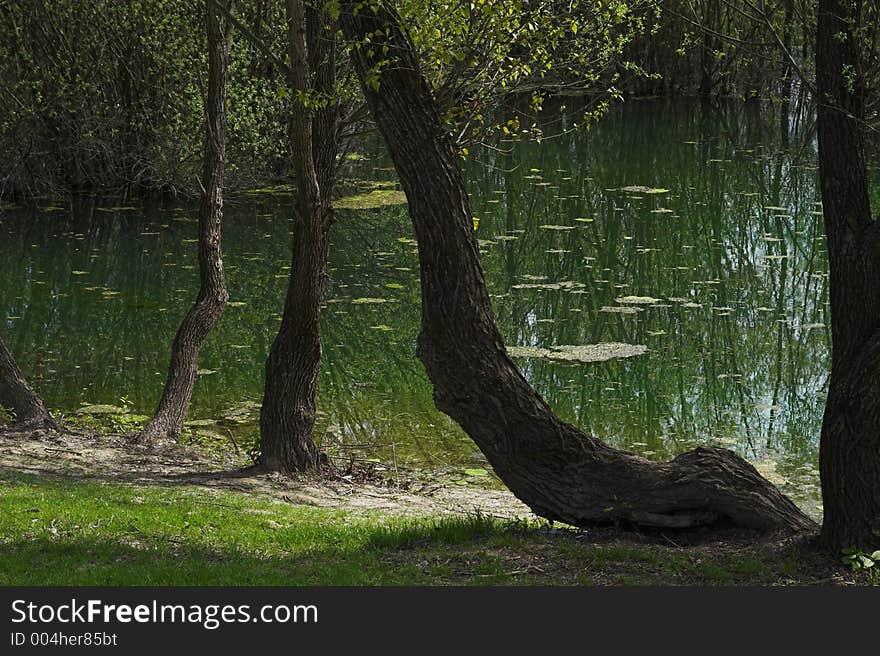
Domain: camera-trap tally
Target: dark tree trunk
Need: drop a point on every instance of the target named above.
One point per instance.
(321, 44)
(711, 43)
(287, 417)
(558, 471)
(173, 407)
(849, 458)
(17, 395)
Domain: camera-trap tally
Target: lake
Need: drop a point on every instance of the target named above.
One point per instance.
(694, 231)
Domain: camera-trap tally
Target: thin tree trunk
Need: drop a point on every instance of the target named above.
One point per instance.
(287, 416)
(710, 44)
(173, 407)
(18, 396)
(849, 455)
(558, 471)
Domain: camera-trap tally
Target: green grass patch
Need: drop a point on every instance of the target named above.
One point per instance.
(74, 532)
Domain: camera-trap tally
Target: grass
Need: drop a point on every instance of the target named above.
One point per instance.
(71, 532)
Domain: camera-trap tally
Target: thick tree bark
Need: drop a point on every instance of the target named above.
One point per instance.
(558, 471)
(849, 458)
(18, 396)
(287, 417)
(173, 407)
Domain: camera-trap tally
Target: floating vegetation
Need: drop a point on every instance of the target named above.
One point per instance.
(586, 353)
(200, 423)
(365, 300)
(639, 189)
(621, 309)
(371, 200)
(100, 409)
(277, 189)
(556, 227)
(637, 300)
(242, 413)
(563, 285)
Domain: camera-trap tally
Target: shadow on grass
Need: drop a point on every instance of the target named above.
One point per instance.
(68, 532)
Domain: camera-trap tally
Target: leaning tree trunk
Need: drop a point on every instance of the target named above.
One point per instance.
(17, 395)
(287, 416)
(173, 407)
(558, 471)
(849, 455)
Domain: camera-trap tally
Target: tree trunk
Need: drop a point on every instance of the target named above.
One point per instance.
(558, 471)
(287, 416)
(173, 407)
(711, 43)
(17, 395)
(849, 458)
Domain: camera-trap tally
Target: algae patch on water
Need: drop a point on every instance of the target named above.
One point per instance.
(584, 353)
(371, 200)
(637, 300)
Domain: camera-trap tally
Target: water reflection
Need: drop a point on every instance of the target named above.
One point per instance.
(710, 212)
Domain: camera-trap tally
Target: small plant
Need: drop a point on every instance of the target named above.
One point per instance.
(124, 422)
(253, 448)
(859, 561)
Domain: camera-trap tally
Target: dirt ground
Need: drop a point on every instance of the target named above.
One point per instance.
(111, 458)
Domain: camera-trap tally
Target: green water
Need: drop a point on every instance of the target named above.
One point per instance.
(731, 247)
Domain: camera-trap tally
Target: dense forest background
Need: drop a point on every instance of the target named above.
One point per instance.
(109, 95)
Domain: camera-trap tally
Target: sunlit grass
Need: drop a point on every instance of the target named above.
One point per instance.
(67, 532)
